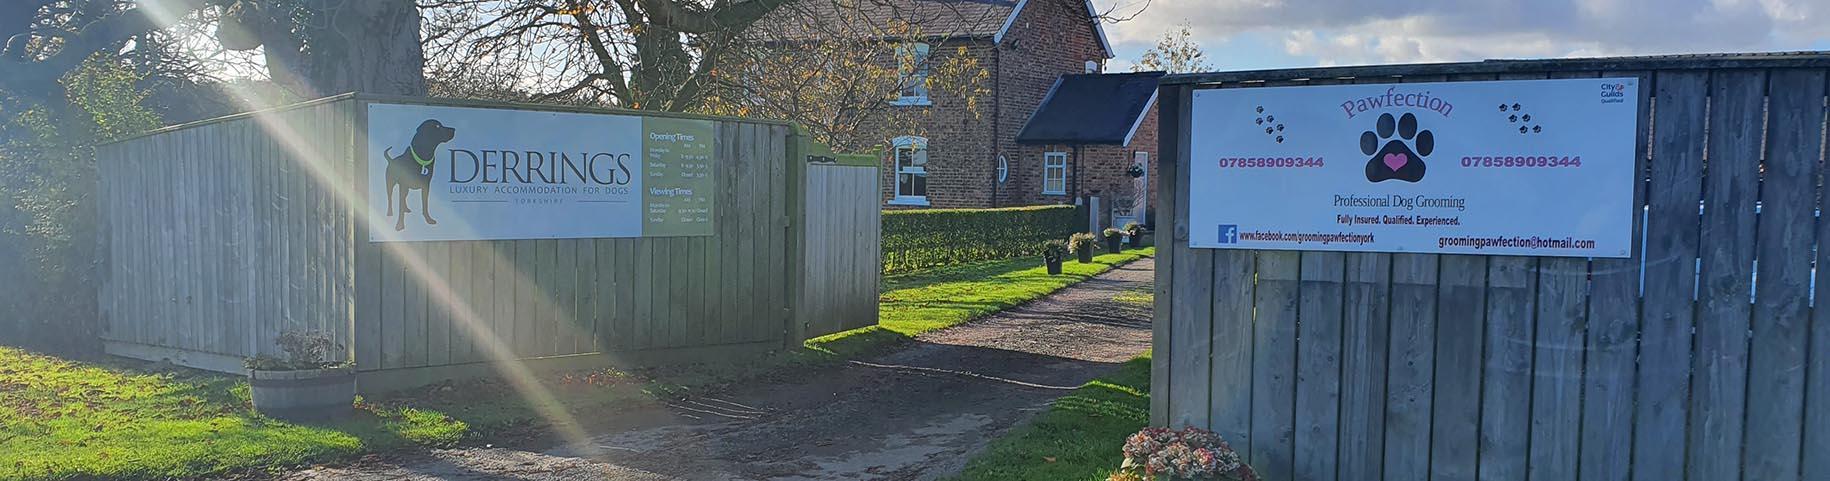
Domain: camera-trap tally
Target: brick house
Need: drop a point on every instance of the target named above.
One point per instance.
(1095, 135)
(958, 158)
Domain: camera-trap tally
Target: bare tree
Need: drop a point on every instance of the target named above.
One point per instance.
(1176, 52)
(829, 65)
(631, 53)
(838, 68)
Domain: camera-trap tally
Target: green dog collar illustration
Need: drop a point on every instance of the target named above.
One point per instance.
(423, 163)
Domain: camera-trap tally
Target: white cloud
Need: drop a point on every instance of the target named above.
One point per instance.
(1359, 31)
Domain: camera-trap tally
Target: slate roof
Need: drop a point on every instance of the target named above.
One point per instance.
(1092, 109)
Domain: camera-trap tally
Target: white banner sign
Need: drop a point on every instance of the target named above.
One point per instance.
(456, 173)
(1530, 167)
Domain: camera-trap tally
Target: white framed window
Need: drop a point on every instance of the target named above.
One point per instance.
(911, 156)
(1054, 173)
(1003, 169)
(912, 68)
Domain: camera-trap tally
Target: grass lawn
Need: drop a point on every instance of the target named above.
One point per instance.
(927, 301)
(70, 419)
(1078, 439)
(61, 419)
(913, 304)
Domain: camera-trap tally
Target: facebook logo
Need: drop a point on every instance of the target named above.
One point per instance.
(1229, 234)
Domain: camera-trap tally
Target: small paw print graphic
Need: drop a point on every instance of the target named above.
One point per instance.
(1271, 127)
(1397, 148)
(1515, 115)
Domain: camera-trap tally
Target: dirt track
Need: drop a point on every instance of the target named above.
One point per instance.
(916, 413)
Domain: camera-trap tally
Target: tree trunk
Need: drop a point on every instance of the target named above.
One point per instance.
(369, 46)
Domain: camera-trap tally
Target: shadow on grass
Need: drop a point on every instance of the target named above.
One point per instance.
(84, 419)
(1078, 438)
(911, 304)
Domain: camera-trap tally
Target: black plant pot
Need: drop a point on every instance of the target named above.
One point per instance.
(1054, 265)
(1085, 255)
(1137, 240)
(1114, 244)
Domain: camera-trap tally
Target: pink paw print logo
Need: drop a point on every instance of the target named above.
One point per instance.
(1397, 148)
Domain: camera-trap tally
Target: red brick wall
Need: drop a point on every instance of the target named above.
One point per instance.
(1102, 168)
(1049, 38)
(959, 141)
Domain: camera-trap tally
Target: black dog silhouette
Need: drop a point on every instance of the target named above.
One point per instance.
(1396, 160)
(405, 171)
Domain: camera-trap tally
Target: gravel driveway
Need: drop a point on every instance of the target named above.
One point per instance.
(912, 414)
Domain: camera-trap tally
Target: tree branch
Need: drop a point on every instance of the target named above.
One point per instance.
(726, 18)
(612, 69)
(20, 75)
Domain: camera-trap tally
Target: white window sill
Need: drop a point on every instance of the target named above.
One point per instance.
(914, 201)
(1054, 192)
(912, 102)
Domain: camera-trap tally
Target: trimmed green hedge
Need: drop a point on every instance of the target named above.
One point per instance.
(920, 239)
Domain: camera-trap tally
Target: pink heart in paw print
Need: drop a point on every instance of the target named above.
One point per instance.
(1396, 160)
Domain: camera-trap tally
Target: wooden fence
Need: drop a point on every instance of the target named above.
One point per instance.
(218, 233)
(556, 297)
(224, 233)
(1673, 364)
(843, 249)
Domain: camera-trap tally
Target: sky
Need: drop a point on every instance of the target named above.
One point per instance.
(1259, 34)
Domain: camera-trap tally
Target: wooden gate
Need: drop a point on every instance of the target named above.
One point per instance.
(844, 258)
(1702, 357)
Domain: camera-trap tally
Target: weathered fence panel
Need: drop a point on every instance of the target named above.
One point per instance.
(658, 292)
(224, 233)
(1701, 357)
(1670, 252)
(843, 251)
(215, 233)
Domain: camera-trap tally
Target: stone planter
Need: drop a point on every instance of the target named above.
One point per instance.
(306, 395)
(1136, 240)
(1115, 244)
(1054, 265)
(1084, 255)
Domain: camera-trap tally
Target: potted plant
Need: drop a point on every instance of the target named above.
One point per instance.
(1135, 232)
(313, 381)
(1189, 453)
(1082, 245)
(1114, 239)
(1052, 253)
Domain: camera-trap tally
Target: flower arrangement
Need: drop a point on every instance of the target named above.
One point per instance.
(1133, 228)
(1054, 250)
(1190, 453)
(304, 351)
(1081, 242)
(1111, 233)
